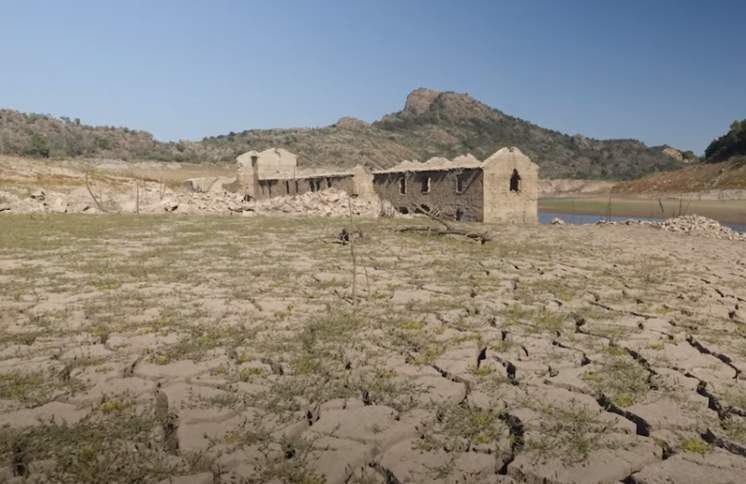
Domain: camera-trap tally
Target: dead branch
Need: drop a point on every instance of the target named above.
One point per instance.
(448, 229)
(431, 214)
(482, 237)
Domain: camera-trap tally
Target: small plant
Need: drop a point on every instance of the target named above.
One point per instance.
(620, 378)
(411, 325)
(570, 433)
(482, 371)
(249, 373)
(696, 445)
(460, 427)
(114, 406)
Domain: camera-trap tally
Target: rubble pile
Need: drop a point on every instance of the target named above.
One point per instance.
(698, 225)
(687, 224)
(327, 203)
(153, 198)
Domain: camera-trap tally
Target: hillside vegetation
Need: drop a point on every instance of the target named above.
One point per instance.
(431, 124)
(723, 168)
(727, 175)
(729, 146)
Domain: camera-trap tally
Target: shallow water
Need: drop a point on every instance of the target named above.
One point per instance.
(579, 219)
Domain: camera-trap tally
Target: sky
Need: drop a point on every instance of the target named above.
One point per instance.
(662, 71)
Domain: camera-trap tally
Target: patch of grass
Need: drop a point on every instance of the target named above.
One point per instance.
(411, 325)
(460, 427)
(540, 319)
(696, 445)
(735, 428)
(114, 406)
(33, 388)
(117, 445)
(619, 378)
(482, 371)
(570, 433)
(200, 341)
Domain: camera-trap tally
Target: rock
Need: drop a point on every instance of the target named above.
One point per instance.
(353, 124)
(702, 226)
(558, 221)
(419, 100)
(39, 195)
(687, 224)
(673, 153)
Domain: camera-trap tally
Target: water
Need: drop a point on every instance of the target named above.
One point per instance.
(579, 219)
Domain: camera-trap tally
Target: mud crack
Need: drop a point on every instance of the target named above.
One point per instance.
(720, 356)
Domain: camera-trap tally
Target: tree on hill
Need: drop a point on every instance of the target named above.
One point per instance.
(731, 144)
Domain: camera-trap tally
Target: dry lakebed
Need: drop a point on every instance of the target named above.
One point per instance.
(219, 349)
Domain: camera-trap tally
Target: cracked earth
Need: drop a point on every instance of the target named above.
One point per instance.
(227, 350)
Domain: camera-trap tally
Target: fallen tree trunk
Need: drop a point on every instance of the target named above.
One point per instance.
(482, 237)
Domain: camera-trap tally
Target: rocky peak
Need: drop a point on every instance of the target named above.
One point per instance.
(419, 100)
(351, 123)
(446, 105)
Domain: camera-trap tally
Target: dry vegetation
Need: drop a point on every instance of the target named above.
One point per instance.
(727, 175)
(135, 349)
(431, 124)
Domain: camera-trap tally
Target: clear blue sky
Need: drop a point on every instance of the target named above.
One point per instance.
(663, 71)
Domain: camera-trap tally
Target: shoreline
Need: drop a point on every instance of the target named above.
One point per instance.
(727, 211)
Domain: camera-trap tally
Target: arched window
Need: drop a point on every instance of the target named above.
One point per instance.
(515, 182)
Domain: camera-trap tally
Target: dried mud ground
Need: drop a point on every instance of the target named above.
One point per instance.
(226, 349)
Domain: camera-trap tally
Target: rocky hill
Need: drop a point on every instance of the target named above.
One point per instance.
(432, 123)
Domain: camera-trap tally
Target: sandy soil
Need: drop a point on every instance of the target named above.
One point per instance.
(224, 349)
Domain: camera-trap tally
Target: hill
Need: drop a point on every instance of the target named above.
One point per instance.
(723, 168)
(726, 175)
(731, 145)
(432, 123)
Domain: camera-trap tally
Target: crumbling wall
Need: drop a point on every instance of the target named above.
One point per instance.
(271, 163)
(270, 188)
(362, 182)
(454, 194)
(503, 200)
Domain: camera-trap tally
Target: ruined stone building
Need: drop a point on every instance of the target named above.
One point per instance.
(274, 172)
(502, 188)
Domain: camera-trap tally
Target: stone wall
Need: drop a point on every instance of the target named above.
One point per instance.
(297, 186)
(271, 163)
(443, 195)
(501, 204)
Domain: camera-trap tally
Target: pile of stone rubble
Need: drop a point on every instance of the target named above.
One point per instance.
(703, 226)
(153, 198)
(327, 203)
(688, 224)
